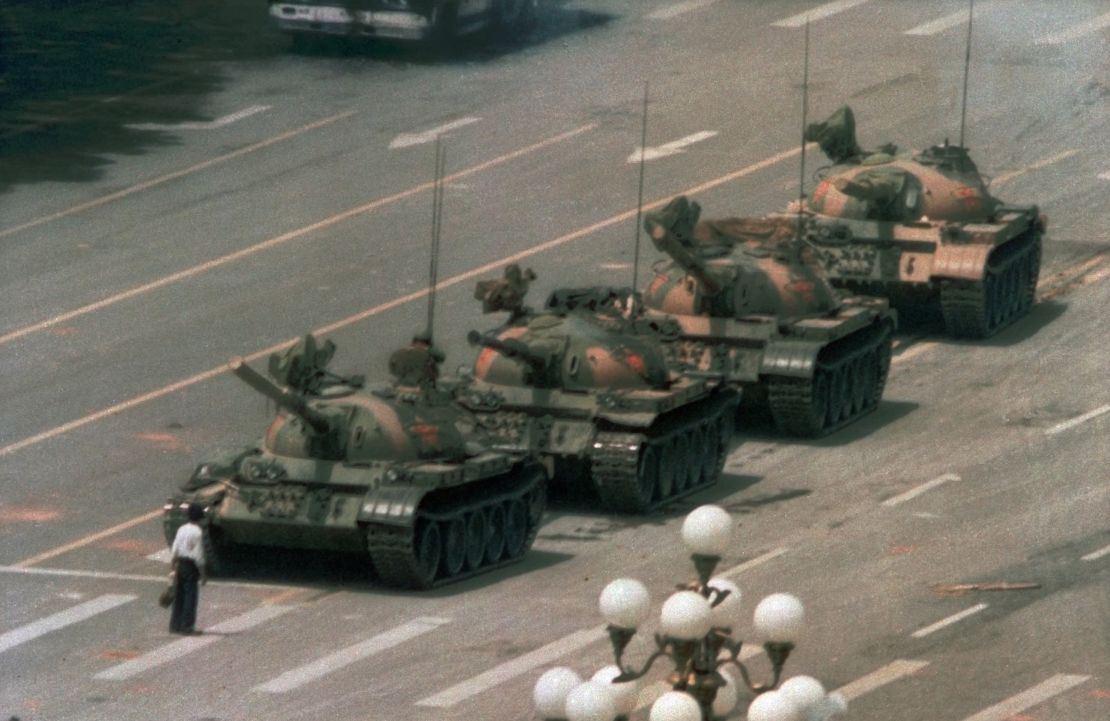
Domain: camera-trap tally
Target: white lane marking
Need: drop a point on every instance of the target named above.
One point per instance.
(496, 265)
(1044, 162)
(1028, 698)
(512, 669)
(344, 657)
(954, 618)
(914, 350)
(291, 235)
(1104, 176)
(408, 140)
(91, 538)
(1075, 31)
(74, 573)
(672, 148)
(206, 125)
(876, 679)
(818, 13)
(1060, 427)
(183, 647)
(60, 620)
(752, 563)
(950, 21)
(163, 556)
(1094, 555)
(670, 11)
(917, 491)
(176, 174)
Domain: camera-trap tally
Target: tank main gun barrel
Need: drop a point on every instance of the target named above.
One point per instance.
(510, 348)
(285, 398)
(667, 242)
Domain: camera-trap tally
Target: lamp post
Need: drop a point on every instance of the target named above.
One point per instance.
(695, 636)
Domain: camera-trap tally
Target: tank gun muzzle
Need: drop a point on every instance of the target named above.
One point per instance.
(285, 398)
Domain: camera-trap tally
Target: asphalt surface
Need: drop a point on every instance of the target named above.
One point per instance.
(254, 196)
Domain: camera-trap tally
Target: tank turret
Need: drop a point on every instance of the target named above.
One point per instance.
(401, 472)
(588, 387)
(922, 228)
(752, 305)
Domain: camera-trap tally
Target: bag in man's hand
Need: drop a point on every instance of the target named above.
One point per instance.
(165, 599)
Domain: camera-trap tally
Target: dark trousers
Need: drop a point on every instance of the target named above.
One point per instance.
(183, 617)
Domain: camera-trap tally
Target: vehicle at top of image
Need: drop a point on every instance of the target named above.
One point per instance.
(751, 305)
(589, 388)
(416, 20)
(921, 228)
(398, 472)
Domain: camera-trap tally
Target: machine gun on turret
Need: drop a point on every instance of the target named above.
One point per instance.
(672, 231)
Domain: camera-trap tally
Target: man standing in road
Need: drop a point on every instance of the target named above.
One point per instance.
(189, 567)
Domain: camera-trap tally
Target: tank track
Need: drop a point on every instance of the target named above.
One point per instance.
(619, 460)
(847, 384)
(392, 548)
(979, 309)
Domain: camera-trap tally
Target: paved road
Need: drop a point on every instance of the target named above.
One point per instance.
(280, 207)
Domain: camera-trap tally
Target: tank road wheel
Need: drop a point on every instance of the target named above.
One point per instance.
(861, 386)
(838, 397)
(476, 532)
(537, 504)
(516, 527)
(697, 475)
(454, 546)
(668, 467)
(495, 537)
(711, 452)
(726, 428)
(870, 370)
(682, 458)
(647, 475)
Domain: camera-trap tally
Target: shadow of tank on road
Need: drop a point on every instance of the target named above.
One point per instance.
(74, 74)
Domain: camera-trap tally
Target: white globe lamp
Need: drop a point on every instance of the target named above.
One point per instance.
(686, 616)
(551, 690)
(623, 694)
(590, 701)
(779, 618)
(625, 603)
(773, 706)
(675, 706)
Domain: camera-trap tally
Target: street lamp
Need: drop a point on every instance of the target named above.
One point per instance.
(695, 635)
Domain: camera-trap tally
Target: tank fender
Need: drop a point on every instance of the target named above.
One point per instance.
(394, 505)
(961, 262)
(790, 358)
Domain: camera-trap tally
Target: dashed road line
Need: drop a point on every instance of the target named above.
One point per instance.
(511, 669)
(945, 622)
(752, 563)
(671, 11)
(344, 657)
(408, 140)
(672, 148)
(1042, 163)
(1076, 31)
(912, 350)
(185, 646)
(1072, 423)
(950, 21)
(91, 538)
(70, 616)
(818, 13)
(141, 578)
(163, 556)
(1028, 698)
(881, 677)
(174, 175)
(918, 490)
(203, 125)
(1095, 555)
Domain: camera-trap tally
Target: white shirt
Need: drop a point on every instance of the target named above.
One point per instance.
(188, 543)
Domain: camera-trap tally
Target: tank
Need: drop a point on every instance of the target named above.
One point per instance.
(921, 228)
(587, 386)
(399, 472)
(751, 305)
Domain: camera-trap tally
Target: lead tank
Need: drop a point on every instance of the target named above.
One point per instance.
(921, 228)
(589, 388)
(752, 306)
(398, 472)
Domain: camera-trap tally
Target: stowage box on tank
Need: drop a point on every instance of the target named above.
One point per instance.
(590, 390)
(751, 306)
(922, 228)
(400, 473)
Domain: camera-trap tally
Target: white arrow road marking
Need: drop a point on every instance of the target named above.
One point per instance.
(407, 140)
(207, 125)
(672, 148)
(70, 616)
(818, 13)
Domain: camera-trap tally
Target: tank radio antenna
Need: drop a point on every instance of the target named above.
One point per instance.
(640, 193)
(437, 215)
(967, 66)
(805, 113)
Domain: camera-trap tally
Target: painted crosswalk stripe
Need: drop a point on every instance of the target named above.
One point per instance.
(1076, 31)
(670, 11)
(917, 491)
(1028, 698)
(880, 677)
(189, 644)
(70, 616)
(344, 657)
(944, 622)
(950, 21)
(1060, 427)
(163, 556)
(1095, 555)
(818, 13)
(512, 669)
